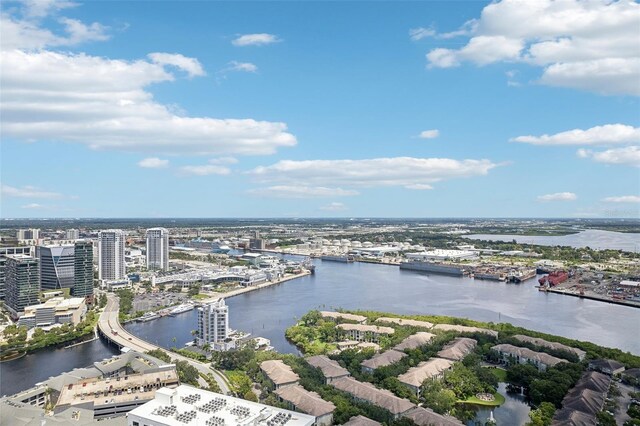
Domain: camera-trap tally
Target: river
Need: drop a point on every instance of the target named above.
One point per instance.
(268, 312)
(593, 238)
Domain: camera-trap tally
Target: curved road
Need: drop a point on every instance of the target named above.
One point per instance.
(109, 323)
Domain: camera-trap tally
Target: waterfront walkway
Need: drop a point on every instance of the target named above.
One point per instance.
(247, 289)
(109, 325)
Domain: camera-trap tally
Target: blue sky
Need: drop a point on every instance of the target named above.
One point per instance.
(280, 109)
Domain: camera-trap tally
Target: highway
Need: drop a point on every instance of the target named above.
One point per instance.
(109, 323)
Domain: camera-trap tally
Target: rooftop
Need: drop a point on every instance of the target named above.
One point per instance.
(367, 328)
(279, 372)
(368, 392)
(415, 341)
(458, 348)
(405, 321)
(305, 401)
(361, 421)
(383, 359)
(529, 354)
(425, 417)
(330, 368)
(342, 316)
(465, 329)
(425, 370)
(186, 405)
(552, 345)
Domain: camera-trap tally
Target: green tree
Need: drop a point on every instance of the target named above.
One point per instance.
(542, 415)
(437, 398)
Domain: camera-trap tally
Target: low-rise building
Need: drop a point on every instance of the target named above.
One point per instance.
(361, 421)
(383, 359)
(340, 316)
(606, 366)
(405, 322)
(186, 405)
(279, 373)
(331, 370)
(426, 417)
(415, 341)
(465, 329)
(300, 399)
(551, 345)
(458, 348)
(584, 401)
(541, 360)
(380, 397)
(56, 310)
(433, 369)
(364, 333)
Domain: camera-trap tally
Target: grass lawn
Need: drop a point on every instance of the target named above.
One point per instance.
(500, 374)
(499, 400)
(200, 296)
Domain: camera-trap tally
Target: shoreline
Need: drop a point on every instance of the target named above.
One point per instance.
(596, 298)
(244, 290)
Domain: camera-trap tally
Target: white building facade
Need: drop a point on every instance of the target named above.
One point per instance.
(111, 262)
(213, 324)
(158, 249)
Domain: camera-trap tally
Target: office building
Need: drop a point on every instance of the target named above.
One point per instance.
(213, 324)
(158, 249)
(28, 234)
(4, 251)
(111, 264)
(56, 266)
(56, 310)
(22, 282)
(188, 405)
(72, 234)
(257, 244)
(83, 269)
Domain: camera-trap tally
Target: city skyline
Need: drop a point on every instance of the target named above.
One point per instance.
(472, 109)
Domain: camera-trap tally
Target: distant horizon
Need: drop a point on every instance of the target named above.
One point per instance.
(327, 218)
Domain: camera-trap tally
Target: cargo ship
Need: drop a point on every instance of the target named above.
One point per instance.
(521, 275)
(343, 259)
(554, 278)
(493, 276)
(185, 307)
(436, 268)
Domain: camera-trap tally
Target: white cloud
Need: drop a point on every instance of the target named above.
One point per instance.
(223, 160)
(429, 134)
(598, 135)
(622, 199)
(558, 196)
(32, 206)
(419, 186)
(255, 39)
(189, 65)
(334, 207)
(153, 163)
(389, 172)
(629, 156)
(589, 45)
(242, 66)
(204, 170)
(103, 103)
(28, 192)
(419, 33)
(294, 191)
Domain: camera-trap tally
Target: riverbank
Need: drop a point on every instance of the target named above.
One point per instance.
(592, 297)
(232, 293)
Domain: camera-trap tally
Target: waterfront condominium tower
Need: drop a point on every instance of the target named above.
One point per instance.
(157, 249)
(111, 265)
(22, 280)
(83, 269)
(213, 323)
(56, 266)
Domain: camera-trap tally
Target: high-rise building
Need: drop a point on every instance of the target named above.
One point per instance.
(4, 251)
(22, 281)
(111, 265)
(72, 234)
(83, 269)
(27, 234)
(257, 244)
(56, 266)
(213, 323)
(158, 249)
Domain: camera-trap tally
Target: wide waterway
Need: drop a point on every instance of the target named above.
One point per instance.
(268, 312)
(593, 238)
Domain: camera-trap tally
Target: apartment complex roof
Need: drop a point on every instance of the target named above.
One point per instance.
(405, 321)
(366, 328)
(584, 401)
(528, 354)
(342, 316)
(361, 421)
(330, 369)
(368, 392)
(279, 372)
(415, 341)
(458, 348)
(425, 370)
(305, 401)
(425, 417)
(465, 329)
(383, 359)
(551, 345)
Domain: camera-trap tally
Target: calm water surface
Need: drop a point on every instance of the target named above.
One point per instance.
(268, 312)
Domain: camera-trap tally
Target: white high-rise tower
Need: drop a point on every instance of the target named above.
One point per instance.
(111, 265)
(213, 324)
(158, 249)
